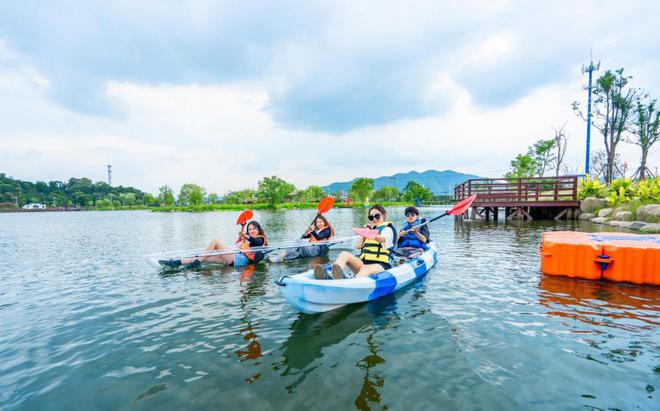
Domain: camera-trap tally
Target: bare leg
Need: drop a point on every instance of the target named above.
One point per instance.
(348, 259)
(368, 269)
(215, 245)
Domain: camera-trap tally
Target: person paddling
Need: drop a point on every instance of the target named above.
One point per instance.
(320, 230)
(412, 235)
(255, 237)
(375, 254)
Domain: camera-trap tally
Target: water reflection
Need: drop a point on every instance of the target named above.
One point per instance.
(599, 303)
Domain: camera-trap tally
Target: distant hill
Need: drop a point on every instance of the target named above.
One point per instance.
(439, 182)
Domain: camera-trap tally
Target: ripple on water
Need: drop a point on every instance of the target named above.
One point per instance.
(87, 324)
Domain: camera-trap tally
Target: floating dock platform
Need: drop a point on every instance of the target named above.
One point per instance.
(620, 257)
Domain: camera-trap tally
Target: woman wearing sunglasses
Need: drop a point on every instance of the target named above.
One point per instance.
(375, 255)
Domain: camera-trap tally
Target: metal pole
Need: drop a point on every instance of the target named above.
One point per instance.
(591, 68)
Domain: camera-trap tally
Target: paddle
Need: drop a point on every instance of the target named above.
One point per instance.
(242, 219)
(323, 206)
(458, 209)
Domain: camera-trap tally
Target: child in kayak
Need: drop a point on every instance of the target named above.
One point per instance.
(255, 237)
(413, 236)
(375, 255)
(321, 230)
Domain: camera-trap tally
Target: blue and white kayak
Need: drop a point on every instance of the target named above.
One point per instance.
(309, 295)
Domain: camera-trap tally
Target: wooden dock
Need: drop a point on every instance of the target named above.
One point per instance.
(522, 198)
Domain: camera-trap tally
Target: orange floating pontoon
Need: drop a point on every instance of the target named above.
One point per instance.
(626, 257)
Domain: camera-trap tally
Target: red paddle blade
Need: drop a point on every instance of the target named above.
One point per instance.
(460, 207)
(244, 217)
(325, 205)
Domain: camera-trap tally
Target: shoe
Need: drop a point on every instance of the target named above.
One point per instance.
(170, 263)
(194, 265)
(337, 272)
(319, 272)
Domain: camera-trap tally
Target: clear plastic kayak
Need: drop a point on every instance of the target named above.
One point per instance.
(309, 295)
(154, 259)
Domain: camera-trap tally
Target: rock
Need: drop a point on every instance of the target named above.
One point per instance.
(600, 220)
(621, 208)
(623, 216)
(636, 225)
(605, 212)
(591, 204)
(586, 216)
(624, 224)
(651, 228)
(649, 213)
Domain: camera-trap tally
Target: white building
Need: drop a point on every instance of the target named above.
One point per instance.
(34, 206)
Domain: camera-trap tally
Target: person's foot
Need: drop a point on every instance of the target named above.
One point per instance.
(170, 263)
(194, 265)
(319, 272)
(337, 272)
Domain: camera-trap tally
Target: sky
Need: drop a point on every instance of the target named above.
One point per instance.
(222, 94)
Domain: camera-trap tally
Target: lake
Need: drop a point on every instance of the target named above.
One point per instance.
(88, 324)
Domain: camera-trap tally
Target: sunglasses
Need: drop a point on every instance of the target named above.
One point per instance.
(410, 214)
(373, 217)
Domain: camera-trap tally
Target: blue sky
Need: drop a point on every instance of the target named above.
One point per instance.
(223, 93)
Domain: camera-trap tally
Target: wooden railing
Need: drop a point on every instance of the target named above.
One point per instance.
(494, 191)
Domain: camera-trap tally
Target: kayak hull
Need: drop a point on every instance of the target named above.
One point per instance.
(309, 295)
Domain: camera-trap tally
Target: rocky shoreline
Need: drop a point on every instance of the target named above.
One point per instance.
(645, 218)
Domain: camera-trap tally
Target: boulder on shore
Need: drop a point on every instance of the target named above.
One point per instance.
(651, 228)
(591, 204)
(623, 216)
(650, 213)
(605, 212)
(600, 220)
(624, 224)
(586, 216)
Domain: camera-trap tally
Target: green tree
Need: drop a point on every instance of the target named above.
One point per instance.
(149, 200)
(213, 198)
(612, 107)
(522, 166)
(361, 189)
(386, 193)
(542, 152)
(80, 198)
(104, 204)
(191, 194)
(240, 197)
(311, 194)
(646, 130)
(273, 190)
(165, 195)
(127, 199)
(414, 191)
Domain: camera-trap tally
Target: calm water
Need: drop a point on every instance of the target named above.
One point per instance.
(87, 324)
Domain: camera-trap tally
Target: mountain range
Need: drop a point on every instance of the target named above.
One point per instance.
(439, 182)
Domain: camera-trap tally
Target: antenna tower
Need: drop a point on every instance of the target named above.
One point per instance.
(589, 69)
(109, 174)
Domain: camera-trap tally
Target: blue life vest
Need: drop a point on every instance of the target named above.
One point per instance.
(410, 239)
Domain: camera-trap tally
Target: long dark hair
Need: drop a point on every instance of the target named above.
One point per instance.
(256, 225)
(327, 224)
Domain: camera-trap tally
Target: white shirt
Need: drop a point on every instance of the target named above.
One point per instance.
(388, 234)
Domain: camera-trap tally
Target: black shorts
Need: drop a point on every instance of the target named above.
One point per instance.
(385, 266)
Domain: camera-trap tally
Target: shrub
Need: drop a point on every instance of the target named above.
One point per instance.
(591, 188)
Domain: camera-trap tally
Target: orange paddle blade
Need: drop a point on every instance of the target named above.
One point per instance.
(461, 206)
(244, 217)
(325, 205)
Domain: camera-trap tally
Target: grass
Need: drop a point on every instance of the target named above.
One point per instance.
(202, 208)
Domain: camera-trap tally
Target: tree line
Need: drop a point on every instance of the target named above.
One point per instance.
(620, 113)
(77, 192)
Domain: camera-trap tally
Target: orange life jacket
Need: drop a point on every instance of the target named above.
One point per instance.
(245, 245)
(313, 240)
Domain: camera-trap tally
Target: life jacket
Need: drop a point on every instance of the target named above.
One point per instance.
(258, 256)
(332, 234)
(373, 251)
(410, 239)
